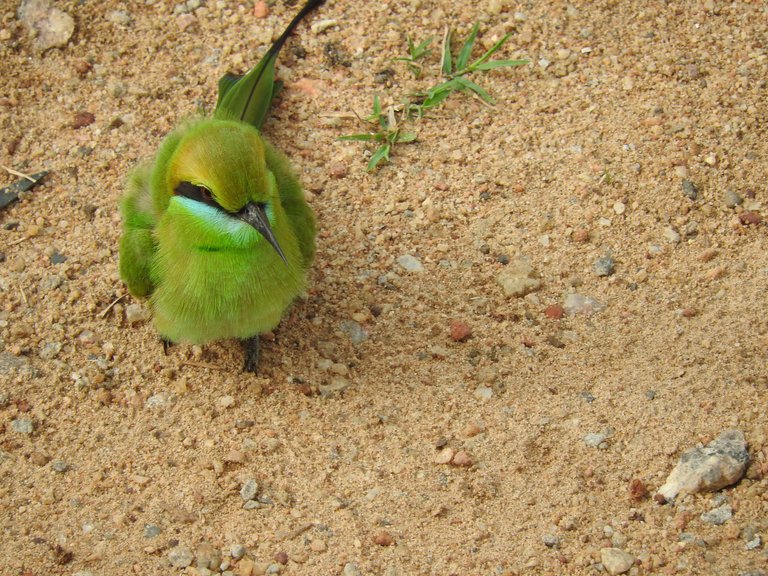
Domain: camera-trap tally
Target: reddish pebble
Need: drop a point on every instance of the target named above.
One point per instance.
(460, 331)
(689, 312)
(750, 218)
(637, 490)
(282, 558)
(581, 235)
(82, 67)
(383, 539)
(461, 458)
(260, 9)
(527, 341)
(338, 169)
(83, 119)
(555, 312)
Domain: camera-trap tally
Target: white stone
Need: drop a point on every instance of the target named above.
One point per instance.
(616, 561)
(720, 463)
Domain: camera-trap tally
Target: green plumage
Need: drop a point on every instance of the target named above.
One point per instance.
(216, 231)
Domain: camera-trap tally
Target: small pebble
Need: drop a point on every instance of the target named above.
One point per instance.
(518, 279)
(410, 263)
(616, 561)
(604, 266)
(260, 9)
(554, 312)
(383, 538)
(483, 392)
(83, 119)
(581, 235)
(50, 350)
(578, 304)
(180, 557)
(595, 440)
(460, 331)
(357, 334)
(135, 313)
(551, 541)
(754, 543)
(748, 218)
(671, 235)
(732, 199)
(281, 557)
(462, 458)
(22, 426)
(637, 490)
(151, 531)
(718, 516)
(445, 455)
(249, 489)
(237, 551)
(690, 190)
(59, 466)
(338, 169)
(720, 463)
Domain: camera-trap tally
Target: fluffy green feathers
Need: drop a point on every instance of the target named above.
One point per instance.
(216, 231)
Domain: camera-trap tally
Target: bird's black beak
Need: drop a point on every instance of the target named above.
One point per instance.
(254, 214)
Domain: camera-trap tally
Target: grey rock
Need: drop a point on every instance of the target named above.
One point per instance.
(357, 334)
(252, 505)
(22, 426)
(50, 283)
(50, 350)
(690, 190)
(732, 199)
(595, 440)
(718, 516)
(671, 235)
(410, 263)
(10, 363)
(754, 543)
(720, 463)
(604, 266)
(51, 27)
(551, 541)
(151, 531)
(180, 557)
(616, 561)
(237, 551)
(579, 304)
(249, 489)
(59, 466)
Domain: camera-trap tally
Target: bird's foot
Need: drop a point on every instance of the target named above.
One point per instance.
(251, 346)
(166, 344)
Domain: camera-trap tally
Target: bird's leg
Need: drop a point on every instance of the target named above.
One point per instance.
(166, 344)
(251, 346)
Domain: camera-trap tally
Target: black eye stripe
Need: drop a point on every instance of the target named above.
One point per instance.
(196, 193)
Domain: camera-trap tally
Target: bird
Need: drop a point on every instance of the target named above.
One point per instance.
(217, 234)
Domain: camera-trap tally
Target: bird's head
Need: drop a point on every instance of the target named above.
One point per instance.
(217, 174)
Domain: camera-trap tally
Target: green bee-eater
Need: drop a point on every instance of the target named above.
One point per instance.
(216, 231)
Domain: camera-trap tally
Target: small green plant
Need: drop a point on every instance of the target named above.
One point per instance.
(387, 135)
(454, 71)
(416, 52)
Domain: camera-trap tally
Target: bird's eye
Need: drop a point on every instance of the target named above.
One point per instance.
(195, 192)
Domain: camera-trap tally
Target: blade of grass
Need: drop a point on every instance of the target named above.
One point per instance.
(499, 63)
(382, 153)
(446, 65)
(359, 137)
(491, 51)
(469, 85)
(466, 49)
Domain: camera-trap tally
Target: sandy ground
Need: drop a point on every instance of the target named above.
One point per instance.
(135, 458)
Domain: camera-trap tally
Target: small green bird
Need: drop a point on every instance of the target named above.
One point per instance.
(216, 231)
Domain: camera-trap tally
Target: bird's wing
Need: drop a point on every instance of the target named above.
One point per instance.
(299, 213)
(137, 246)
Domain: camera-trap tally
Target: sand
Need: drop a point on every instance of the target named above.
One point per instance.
(379, 443)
